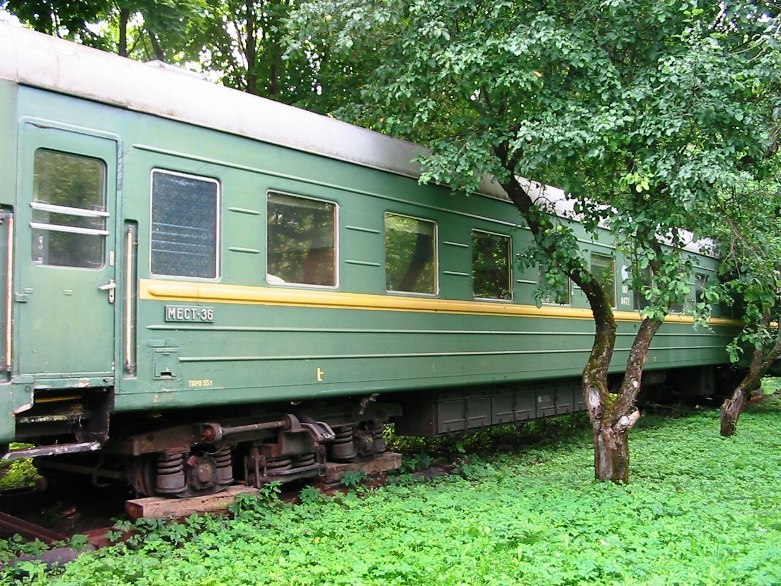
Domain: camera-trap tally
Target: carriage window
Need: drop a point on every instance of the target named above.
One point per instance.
(410, 254)
(69, 210)
(184, 225)
(640, 301)
(563, 297)
(700, 284)
(491, 265)
(301, 241)
(604, 270)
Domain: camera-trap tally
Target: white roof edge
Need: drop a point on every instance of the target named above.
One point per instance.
(557, 200)
(35, 59)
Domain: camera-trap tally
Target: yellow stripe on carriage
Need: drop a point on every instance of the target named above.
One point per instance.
(193, 292)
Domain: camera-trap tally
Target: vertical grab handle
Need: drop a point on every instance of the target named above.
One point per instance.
(8, 292)
(129, 313)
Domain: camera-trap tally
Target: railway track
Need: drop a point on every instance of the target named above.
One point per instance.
(39, 514)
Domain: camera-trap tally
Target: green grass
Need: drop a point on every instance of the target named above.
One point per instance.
(771, 385)
(700, 509)
(18, 473)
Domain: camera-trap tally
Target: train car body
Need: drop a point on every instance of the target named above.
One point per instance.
(195, 280)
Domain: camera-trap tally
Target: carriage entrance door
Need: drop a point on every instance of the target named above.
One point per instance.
(65, 256)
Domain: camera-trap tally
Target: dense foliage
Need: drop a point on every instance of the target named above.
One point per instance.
(141, 29)
(702, 510)
(239, 43)
(750, 239)
(642, 111)
(17, 474)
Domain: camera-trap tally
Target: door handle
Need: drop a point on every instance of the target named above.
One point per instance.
(110, 287)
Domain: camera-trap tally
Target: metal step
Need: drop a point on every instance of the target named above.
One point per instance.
(55, 450)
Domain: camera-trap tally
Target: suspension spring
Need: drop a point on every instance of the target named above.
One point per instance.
(303, 460)
(170, 477)
(379, 438)
(343, 446)
(278, 465)
(224, 464)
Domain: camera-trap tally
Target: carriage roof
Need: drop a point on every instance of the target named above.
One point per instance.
(38, 60)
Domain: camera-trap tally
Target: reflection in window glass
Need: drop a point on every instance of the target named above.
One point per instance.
(679, 307)
(410, 255)
(604, 270)
(69, 210)
(184, 225)
(301, 241)
(700, 283)
(491, 265)
(640, 301)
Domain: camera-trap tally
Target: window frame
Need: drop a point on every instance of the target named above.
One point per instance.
(218, 223)
(509, 241)
(49, 227)
(336, 233)
(435, 248)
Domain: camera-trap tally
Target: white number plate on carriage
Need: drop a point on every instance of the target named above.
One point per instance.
(189, 313)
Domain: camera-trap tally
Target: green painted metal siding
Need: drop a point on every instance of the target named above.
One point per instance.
(254, 352)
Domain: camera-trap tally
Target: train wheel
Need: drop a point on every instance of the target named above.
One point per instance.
(358, 442)
(182, 474)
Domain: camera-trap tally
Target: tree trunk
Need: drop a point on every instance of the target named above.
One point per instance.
(251, 48)
(613, 416)
(124, 18)
(156, 46)
(611, 454)
(274, 86)
(731, 410)
(733, 406)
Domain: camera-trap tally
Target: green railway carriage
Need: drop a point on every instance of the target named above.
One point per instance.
(199, 285)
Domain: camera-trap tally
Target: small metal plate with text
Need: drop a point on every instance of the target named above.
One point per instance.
(189, 313)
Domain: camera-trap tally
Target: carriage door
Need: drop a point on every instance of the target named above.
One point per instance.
(65, 287)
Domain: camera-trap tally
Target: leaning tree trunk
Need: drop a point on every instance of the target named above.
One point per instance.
(731, 410)
(733, 406)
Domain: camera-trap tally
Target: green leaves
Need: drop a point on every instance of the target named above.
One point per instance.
(141, 29)
(751, 248)
(645, 108)
(18, 474)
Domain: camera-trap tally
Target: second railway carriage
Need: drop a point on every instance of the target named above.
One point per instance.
(200, 286)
